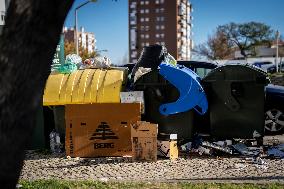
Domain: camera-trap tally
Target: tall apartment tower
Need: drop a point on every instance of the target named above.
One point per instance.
(164, 22)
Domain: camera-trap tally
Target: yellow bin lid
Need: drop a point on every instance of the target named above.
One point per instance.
(84, 87)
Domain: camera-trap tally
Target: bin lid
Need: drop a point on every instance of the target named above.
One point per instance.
(84, 87)
(237, 72)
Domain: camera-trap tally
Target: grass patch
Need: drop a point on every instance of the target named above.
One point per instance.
(62, 184)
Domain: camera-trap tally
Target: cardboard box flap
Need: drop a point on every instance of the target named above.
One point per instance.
(144, 129)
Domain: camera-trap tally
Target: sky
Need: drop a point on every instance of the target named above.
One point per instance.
(108, 20)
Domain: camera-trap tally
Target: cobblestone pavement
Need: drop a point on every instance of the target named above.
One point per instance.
(194, 169)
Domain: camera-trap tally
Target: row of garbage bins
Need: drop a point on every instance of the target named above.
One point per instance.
(227, 103)
(235, 96)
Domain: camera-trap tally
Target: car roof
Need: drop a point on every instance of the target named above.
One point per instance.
(197, 64)
(265, 62)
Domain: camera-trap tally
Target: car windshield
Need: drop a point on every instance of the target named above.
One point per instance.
(202, 72)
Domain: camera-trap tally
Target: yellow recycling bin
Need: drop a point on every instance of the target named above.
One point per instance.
(84, 87)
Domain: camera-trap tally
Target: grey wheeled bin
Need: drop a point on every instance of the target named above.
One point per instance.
(236, 97)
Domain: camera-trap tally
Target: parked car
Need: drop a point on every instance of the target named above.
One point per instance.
(272, 69)
(274, 103)
(263, 65)
(201, 68)
(274, 106)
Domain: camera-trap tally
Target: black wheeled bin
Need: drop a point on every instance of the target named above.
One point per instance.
(236, 97)
(158, 91)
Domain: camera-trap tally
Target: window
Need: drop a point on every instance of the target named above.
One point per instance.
(133, 5)
(157, 35)
(146, 19)
(147, 36)
(142, 19)
(142, 28)
(142, 11)
(157, 10)
(162, 35)
(147, 28)
(142, 44)
(160, 1)
(147, 44)
(162, 27)
(158, 19)
(162, 10)
(134, 54)
(142, 2)
(142, 36)
(147, 11)
(146, 2)
(202, 72)
(157, 27)
(134, 60)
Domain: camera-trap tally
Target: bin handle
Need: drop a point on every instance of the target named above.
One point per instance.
(232, 103)
(190, 90)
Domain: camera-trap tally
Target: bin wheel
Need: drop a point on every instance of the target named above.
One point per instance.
(274, 120)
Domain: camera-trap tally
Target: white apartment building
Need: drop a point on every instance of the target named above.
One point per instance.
(2, 13)
(86, 40)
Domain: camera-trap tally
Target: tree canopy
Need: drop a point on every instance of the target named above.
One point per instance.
(69, 48)
(217, 46)
(232, 36)
(247, 36)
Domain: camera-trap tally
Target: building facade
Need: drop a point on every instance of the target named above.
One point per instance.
(86, 39)
(164, 22)
(3, 8)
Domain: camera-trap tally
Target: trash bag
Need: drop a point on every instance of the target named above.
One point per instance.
(150, 57)
(67, 68)
(97, 62)
(70, 64)
(73, 59)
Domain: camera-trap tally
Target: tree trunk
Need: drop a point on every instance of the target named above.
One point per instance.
(27, 46)
(243, 52)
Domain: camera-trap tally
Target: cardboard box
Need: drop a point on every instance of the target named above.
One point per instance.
(168, 148)
(96, 130)
(133, 97)
(144, 141)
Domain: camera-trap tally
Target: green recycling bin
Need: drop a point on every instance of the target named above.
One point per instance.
(236, 101)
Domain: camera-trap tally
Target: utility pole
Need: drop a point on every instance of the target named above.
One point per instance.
(277, 50)
(76, 24)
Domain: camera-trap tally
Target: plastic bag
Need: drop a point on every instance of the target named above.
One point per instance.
(97, 62)
(70, 64)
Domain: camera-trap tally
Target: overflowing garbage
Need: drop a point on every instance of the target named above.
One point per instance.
(70, 64)
(97, 62)
(74, 62)
(156, 115)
